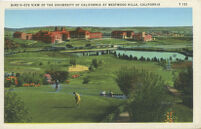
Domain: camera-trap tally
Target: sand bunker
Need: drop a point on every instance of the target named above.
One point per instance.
(78, 68)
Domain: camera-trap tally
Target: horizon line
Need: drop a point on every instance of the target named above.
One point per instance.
(94, 26)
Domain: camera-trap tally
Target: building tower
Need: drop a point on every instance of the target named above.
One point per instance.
(143, 34)
(62, 29)
(56, 29)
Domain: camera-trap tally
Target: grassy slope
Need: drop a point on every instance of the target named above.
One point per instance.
(46, 106)
(30, 62)
(59, 107)
(183, 113)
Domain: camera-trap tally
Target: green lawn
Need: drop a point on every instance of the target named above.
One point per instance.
(47, 106)
(31, 62)
(183, 113)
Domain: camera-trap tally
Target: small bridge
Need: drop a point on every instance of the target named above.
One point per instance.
(92, 51)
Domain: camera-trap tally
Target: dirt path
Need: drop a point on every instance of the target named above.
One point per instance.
(174, 91)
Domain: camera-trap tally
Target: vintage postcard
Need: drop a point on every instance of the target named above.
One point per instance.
(84, 64)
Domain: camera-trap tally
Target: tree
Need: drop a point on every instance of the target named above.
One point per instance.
(91, 68)
(9, 44)
(131, 57)
(154, 59)
(148, 59)
(14, 109)
(184, 83)
(161, 59)
(69, 46)
(123, 56)
(88, 45)
(142, 58)
(135, 58)
(58, 75)
(119, 55)
(73, 61)
(95, 63)
(146, 93)
(30, 77)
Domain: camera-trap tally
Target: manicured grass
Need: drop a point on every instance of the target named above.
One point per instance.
(24, 62)
(183, 113)
(47, 106)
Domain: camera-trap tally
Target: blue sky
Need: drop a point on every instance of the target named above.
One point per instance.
(99, 17)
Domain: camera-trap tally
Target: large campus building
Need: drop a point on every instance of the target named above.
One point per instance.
(55, 36)
(58, 35)
(22, 35)
(84, 34)
(122, 34)
(131, 35)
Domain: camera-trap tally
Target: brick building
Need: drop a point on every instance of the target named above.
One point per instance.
(22, 35)
(84, 34)
(142, 37)
(57, 35)
(95, 35)
(122, 34)
(131, 35)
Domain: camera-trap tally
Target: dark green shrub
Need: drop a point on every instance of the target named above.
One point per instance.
(154, 59)
(119, 55)
(7, 83)
(142, 58)
(14, 109)
(91, 68)
(130, 57)
(146, 93)
(88, 45)
(100, 62)
(40, 63)
(69, 46)
(126, 78)
(95, 63)
(85, 80)
(135, 58)
(72, 61)
(58, 75)
(184, 83)
(30, 78)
